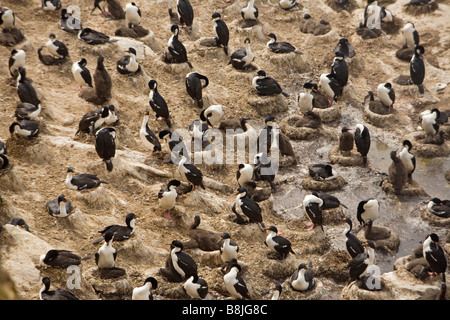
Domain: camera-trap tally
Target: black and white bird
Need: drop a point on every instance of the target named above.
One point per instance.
(17, 59)
(408, 159)
(417, 68)
(359, 264)
(321, 171)
(305, 100)
(345, 47)
(244, 174)
(56, 48)
(27, 111)
(362, 141)
(185, 13)
(183, 264)
(438, 207)
(288, 4)
(173, 144)
(195, 83)
(4, 162)
(353, 245)
(303, 278)
(132, 15)
(430, 121)
(59, 294)
(411, 36)
(7, 18)
(82, 181)
(144, 292)
(198, 128)
(81, 74)
(372, 15)
(276, 291)
(25, 128)
(190, 173)
(60, 207)
(250, 13)
(105, 145)
(195, 287)
(329, 201)
(93, 37)
(212, 115)
(167, 197)
(51, 5)
(148, 137)
(249, 208)
(121, 232)
(278, 244)
(69, 22)
(235, 284)
(128, 64)
(367, 210)
(312, 206)
(92, 120)
(176, 48)
(386, 95)
(112, 117)
(105, 257)
(242, 58)
(330, 86)
(3, 148)
(19, 222)
(340, 69)
(158, 103)
(59, 259)
(267, 86)
(280, 46)
(229, 249)
(436, 258)
(25, 89)
(221, 32)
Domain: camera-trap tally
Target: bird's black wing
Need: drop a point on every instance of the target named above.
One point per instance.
(105, 145)
(283, 244)
(268, 86)
(152, 138)
(222, 32)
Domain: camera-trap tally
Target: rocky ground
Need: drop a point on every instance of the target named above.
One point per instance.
(38, 166)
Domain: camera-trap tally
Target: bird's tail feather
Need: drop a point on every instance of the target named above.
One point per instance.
(109, 165)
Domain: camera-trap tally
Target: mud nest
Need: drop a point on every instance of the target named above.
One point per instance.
(315, 293)
(434, 220)
(333, 216)
(417, 10)
(389, 244)
(349, 6)
(330, 114)
(287, 62)
(413, 189)
(287, 126)
(428, 150)
(268, 105)
(336, 157)
(323, 185)
(379, 120)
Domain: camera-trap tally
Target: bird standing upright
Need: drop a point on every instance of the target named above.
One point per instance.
(105, 145)
(221, 31)
(417, 68)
